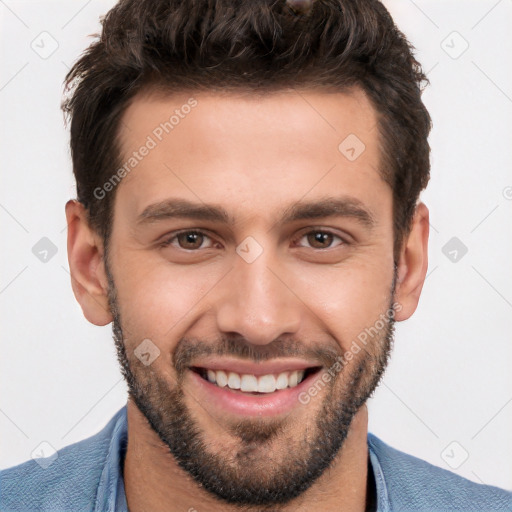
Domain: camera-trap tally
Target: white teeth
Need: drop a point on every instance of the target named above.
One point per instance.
(282, 380)
(267, 384)
(221, 378)
(250, 383)
(234, 380)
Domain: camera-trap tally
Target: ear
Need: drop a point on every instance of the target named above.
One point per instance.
(85, 256)
(413, 263)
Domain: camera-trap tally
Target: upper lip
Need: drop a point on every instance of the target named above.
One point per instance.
(263, 368)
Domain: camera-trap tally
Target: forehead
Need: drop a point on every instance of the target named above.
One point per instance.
(251, 151)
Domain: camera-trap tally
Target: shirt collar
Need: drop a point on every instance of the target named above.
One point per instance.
(383, 504)
(111, 496)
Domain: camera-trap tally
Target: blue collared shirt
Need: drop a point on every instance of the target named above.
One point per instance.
(87, 476)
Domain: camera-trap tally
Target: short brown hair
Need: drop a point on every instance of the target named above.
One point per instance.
(251, 45)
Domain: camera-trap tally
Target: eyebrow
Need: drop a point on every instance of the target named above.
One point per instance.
(326, 207)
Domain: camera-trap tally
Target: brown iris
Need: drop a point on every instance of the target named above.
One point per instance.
(190, 239)
(319, 237)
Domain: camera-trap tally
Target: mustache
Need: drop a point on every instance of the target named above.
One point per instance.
(189, 350)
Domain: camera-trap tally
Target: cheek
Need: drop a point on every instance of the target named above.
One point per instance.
(348, 300)
(155, 299)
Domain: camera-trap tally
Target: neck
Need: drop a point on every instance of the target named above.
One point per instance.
(154, 482)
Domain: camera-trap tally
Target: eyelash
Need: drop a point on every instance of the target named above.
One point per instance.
(168, 241)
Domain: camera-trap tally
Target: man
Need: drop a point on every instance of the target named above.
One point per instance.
(248, 179)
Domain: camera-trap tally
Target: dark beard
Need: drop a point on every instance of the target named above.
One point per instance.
(244, 478)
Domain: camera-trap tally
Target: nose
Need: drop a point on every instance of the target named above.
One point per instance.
(257, 302)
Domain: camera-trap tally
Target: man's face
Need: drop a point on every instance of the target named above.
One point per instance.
(264, 285)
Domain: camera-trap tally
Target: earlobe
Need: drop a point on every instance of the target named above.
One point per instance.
(413, 264)
(86, 265)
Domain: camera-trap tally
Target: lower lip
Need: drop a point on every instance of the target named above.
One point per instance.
(265, 404)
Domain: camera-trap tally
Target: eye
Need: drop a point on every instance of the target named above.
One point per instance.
(187, 240)
(321, 239)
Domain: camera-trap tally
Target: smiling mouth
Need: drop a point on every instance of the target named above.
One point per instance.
(252, 384)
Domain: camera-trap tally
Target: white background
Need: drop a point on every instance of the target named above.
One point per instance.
(448, 389)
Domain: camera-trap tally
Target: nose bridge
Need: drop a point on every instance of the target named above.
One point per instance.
(256, 302)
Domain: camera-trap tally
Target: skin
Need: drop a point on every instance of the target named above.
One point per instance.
(255, 157)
